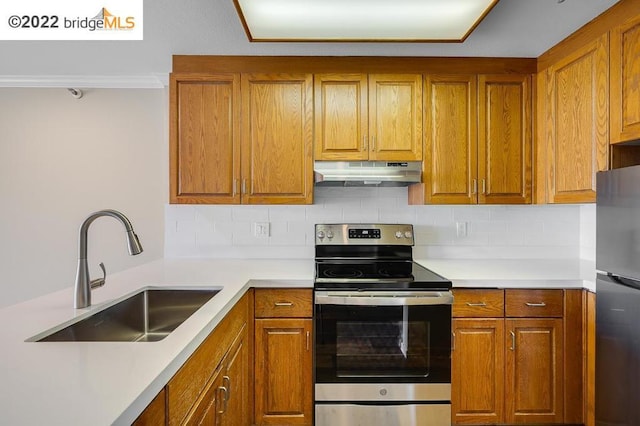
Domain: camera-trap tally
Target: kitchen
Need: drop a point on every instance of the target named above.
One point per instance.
(118, 138)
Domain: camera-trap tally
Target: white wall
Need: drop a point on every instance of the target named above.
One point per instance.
(60, 160)
(551, 231)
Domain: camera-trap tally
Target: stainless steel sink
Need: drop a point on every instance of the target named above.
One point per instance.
(147, 316)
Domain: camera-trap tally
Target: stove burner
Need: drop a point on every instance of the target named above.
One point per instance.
(385, 273)
(343, 273)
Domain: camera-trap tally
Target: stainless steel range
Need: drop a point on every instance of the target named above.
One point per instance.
(382, 330)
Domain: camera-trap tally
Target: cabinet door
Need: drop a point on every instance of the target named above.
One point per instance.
(341, 117)
(235, 379)
(395, 117)
(283, 372)
(210, 405)
(155, 413)
(534, 371)
(577, 129)
(504, 139)
(477, 373)
(277, 138)
(625, 84)
(205, 138)
(450, 161)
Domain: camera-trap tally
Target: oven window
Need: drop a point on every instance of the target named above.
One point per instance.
(382, 349)
(371, 344)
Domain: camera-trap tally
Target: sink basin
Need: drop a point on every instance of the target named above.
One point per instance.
(147, 316)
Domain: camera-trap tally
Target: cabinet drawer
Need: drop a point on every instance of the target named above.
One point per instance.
(283, 303)
(478, 303)
(534, 303)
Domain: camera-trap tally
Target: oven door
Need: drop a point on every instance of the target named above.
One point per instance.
(383, 338)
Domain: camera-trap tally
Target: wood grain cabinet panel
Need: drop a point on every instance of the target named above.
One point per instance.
(625, 81)
(534, 371)
(477, 376)
(504, 139)
(451, 145)
(341, 117)
(204, 138)
(283, 371)
(534, 303)
(577, 131)
(478, 143)
(277, 138)
(195, 377)
(368, 117)
(155, 413)
(272, 163)
(283, 303)
(539, 364)
(395, 117)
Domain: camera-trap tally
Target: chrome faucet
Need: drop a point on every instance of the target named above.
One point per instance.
(82, 296)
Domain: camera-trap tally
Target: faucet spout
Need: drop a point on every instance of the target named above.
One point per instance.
(82, 293)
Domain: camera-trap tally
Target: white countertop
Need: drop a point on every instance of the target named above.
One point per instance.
(101, 383)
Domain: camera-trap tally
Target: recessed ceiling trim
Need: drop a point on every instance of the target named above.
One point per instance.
(420, 21)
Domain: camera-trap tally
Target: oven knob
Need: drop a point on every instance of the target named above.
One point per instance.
(408, 234)
(383, 391)
(329, 234)
(398, 234)
(320, 234)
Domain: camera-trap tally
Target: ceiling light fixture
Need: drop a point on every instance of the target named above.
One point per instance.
(362, 20)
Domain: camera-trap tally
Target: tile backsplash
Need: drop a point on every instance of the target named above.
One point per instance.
(508, 232)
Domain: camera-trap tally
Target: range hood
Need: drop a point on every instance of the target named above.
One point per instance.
(367, 173)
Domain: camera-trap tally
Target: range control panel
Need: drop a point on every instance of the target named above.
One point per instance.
(364, 234)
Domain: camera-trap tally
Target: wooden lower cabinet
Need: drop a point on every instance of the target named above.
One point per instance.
(511, 369)
(283, 373)
(213, 386)
(477, 388)
(225, 399)
(283, 357)
(533, 374)
(155, 413)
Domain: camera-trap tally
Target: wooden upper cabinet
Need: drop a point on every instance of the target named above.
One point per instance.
(277, 138)
(204, 138)
(576, 128)
(625, 81)
(504, 139)
(395, 117)
(368, 117)
(341, 121)
(451, 144)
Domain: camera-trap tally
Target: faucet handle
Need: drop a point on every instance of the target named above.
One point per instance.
(99, 282)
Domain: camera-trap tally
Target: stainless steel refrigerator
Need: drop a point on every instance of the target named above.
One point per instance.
(618, 297)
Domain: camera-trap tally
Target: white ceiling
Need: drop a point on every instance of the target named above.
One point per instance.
(515, 28)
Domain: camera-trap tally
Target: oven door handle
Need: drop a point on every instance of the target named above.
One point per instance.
(383, 298)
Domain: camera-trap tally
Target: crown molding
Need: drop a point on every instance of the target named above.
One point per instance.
(151, 81)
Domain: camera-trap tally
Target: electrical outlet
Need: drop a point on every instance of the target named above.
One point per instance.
(262, 229)
(461, 229)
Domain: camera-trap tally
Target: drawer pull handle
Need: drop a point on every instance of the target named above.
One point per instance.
(453, 341)
(308, 339)
(513, 341)
(224, 398)
(226, 383)
(536, 305)
(283, 304)
(481, 304)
